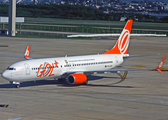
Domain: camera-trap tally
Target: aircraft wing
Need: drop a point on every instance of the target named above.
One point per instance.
(115, 71)
(112, 71)
(118, 70)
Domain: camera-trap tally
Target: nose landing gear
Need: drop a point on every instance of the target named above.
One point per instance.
(17, 84)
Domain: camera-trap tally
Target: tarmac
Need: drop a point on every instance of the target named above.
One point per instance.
(143, 95)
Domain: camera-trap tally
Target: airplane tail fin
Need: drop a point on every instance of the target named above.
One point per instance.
(121, 46)
(26, 56)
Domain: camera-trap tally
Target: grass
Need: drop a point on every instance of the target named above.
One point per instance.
(86, 28)
(93, 21)
(37, 35)
(90, 29)
(135, 26)
(63, 25)
(66, 20)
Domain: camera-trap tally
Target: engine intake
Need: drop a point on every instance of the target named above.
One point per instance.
(77, 78)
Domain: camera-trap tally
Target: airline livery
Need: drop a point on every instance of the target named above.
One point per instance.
(75, 69)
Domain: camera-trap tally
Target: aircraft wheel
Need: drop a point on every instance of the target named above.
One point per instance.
(86, 82)
(17, 86)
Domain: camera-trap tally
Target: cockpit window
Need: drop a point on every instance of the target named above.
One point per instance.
(11, 68)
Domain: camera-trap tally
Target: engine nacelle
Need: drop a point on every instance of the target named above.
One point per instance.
(77, 78)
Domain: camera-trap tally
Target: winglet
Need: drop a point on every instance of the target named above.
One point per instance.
(26, 56)
(160, 65)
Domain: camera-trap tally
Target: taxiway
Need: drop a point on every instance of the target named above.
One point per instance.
(143, 95)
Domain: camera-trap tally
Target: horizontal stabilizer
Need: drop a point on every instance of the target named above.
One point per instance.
(139, 55)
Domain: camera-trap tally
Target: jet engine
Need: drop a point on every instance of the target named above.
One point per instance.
(77, 78)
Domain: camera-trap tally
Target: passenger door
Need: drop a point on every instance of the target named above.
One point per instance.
(27, 68)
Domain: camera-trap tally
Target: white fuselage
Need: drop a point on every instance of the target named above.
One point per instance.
(37, 69)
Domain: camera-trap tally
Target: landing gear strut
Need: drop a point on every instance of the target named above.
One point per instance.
(17, 84)
(61, 80)
(86, 82)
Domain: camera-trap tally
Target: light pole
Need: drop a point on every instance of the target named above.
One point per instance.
(12, 17)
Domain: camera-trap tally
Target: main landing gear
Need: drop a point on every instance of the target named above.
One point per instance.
(61, 80)
(86, 82)
(17, 85)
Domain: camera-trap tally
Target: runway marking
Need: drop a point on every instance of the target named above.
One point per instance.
(4, 46)
(163, 69)
(122, 77)
(138, 66)
(5, 106)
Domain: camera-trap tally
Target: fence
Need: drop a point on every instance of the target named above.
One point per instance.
(77, 29)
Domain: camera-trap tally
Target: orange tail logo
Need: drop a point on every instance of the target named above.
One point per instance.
(27, 52)
(121, 47)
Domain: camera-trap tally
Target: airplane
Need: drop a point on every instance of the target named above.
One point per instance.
(74, 70)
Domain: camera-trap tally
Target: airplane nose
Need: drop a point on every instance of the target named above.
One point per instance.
(5, 75)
